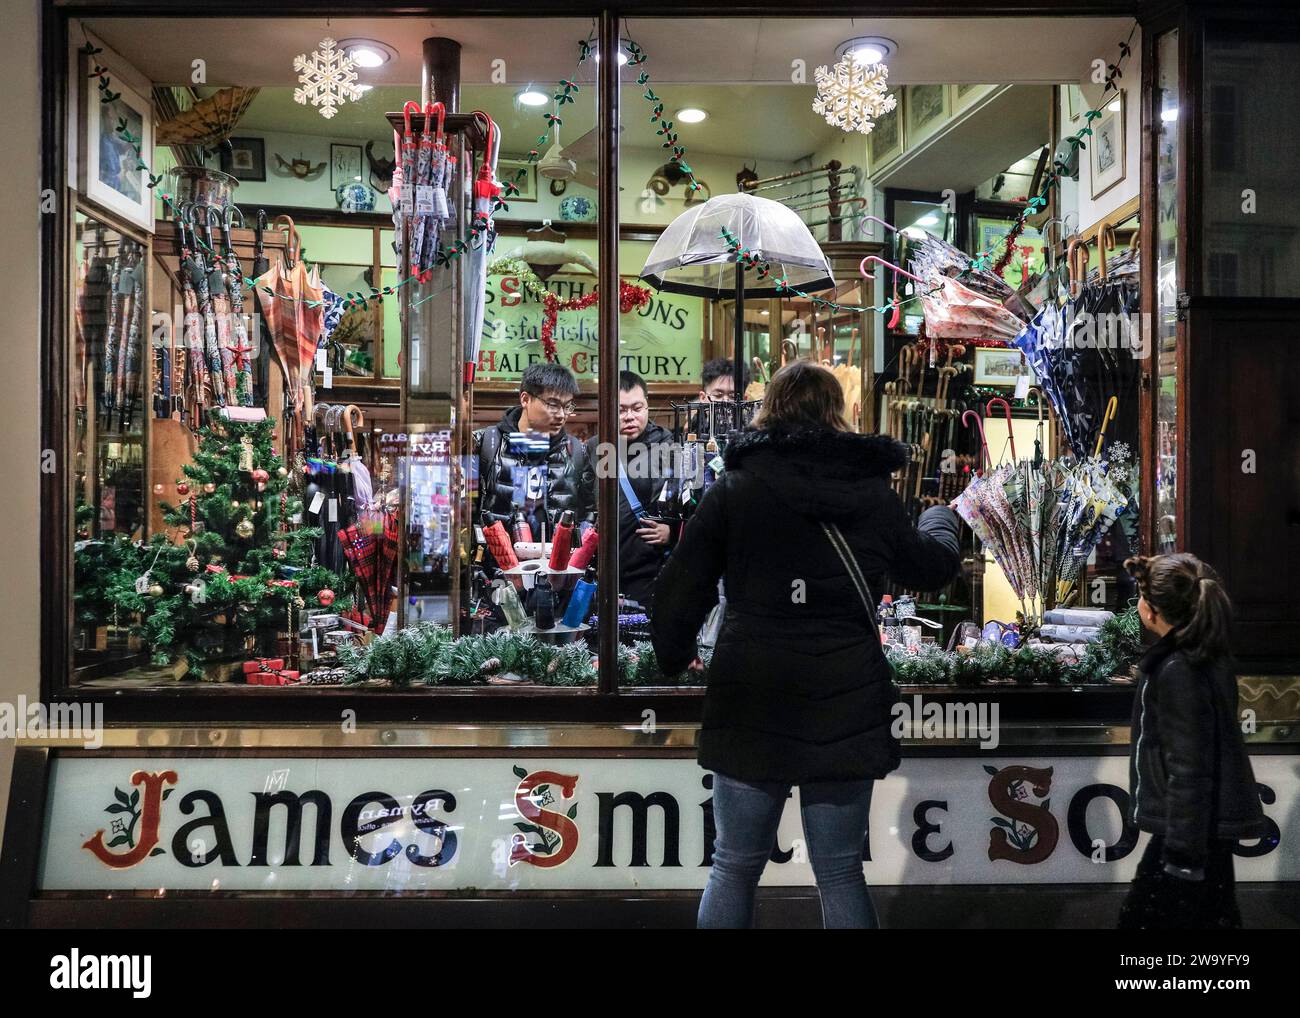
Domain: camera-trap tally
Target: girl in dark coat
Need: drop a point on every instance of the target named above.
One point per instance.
(1190, 777)
(799, 691)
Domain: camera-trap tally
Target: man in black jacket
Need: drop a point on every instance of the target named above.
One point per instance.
(546, 395)
(644, 454)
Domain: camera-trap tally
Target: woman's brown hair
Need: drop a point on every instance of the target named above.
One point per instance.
(803, 394)
(1188, 595)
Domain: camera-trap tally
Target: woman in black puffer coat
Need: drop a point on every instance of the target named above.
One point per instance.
(799, 691)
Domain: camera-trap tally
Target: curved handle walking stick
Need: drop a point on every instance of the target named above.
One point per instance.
(984, 445)
(1006, 407)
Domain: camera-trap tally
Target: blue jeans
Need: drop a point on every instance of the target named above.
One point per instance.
(835, 816)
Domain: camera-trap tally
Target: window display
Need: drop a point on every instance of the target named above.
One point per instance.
(306, 522)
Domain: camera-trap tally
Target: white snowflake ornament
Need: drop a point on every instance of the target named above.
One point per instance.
(328, 78)
(852, 95)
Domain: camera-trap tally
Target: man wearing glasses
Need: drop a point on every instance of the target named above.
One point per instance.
(717, 385)
(643, 539)
(512, 479)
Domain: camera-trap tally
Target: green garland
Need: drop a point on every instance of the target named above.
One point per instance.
(427, 654)
(1116, 650)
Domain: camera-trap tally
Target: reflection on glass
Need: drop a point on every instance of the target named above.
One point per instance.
(1167, 286)
(1251, 104)
(110, 308)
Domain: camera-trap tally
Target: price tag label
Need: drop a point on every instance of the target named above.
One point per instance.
(909, 289)
(1022, 387)
(479, 536)
(334, 510)
(320, 359)
(328, 382)
(408, 199)
(440, 208)
(424, 200)
(316, 503)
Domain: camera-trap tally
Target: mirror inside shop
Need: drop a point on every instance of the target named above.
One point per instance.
(334, 335)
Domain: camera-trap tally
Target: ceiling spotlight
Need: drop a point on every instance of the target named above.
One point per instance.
(622, 57)
(532, 97)
(368, 52)
(691, 115)
(871, 49)
(929, 219)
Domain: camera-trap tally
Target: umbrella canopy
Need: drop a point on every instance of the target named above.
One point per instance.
(209, 121)
(692, 257)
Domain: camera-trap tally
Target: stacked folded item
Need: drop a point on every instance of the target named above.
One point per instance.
(1074, 625)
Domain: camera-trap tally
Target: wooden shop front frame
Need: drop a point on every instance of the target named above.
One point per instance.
(606, 700)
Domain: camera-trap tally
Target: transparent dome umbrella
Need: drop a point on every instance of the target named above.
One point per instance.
(691, 256)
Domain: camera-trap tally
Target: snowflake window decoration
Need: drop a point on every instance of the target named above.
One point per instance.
(328, 78)
(852, 95)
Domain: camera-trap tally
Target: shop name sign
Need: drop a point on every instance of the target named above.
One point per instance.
(502, 824)
(660, 341)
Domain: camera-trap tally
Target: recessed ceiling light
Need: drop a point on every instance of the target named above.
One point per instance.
(622, 57)
(929, 219)
(364, 88)
(532, 97)
(368, 52)
(870, 49)
(691, 115)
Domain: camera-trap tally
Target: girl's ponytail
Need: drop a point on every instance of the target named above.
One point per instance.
(1188, 595)
(1208, 633)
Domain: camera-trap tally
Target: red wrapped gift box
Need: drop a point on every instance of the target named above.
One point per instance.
(283, 678)
(264, 664)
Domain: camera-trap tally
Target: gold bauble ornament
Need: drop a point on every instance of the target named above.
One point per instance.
(244, 528)
(155, 590)
(209, 488)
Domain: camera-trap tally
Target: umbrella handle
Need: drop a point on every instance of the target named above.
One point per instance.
(979, 423)
(862, 268)
(295, 245)
(760, 370)
(429, 110)
(406, 115)
(1006, 407)
(877, 219)
(1105, 242)
(1112, 407)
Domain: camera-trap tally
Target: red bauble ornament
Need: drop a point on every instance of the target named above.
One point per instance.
(182, 488)
(261, 476)
(326, 597)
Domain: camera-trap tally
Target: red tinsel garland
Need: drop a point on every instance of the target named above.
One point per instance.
(1009, 251)
(629, 297)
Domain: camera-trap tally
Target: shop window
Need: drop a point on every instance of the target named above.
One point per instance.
(1252, 88)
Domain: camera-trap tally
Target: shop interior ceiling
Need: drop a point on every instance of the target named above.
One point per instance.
(730, 65)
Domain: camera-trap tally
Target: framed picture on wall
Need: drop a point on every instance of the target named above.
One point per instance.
(246, 159)
(507, 169)
(345, 165)
(1000, 366)
(109, 167)
(926, 110)
(1106, 153)
(964, 95)
(885, 141)
(1074, 106)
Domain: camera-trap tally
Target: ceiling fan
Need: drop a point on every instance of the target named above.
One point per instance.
(576, 162)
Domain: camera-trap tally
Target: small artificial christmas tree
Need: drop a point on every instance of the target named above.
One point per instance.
(240, 570)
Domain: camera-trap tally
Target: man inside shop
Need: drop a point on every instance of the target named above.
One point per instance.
(644, 462)
(516, 475)
(717, 385)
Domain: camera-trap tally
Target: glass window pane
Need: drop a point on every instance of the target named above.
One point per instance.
(1168, 285)
(1252, 214)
